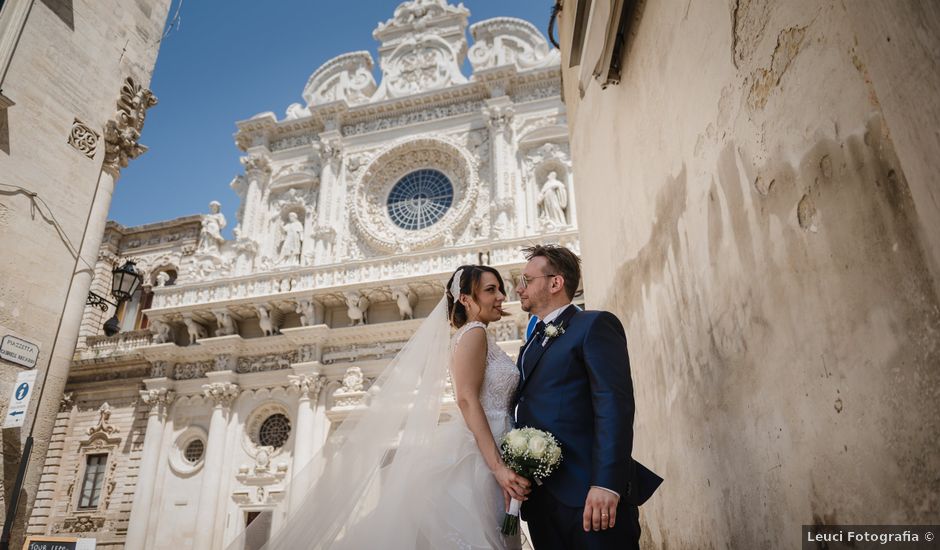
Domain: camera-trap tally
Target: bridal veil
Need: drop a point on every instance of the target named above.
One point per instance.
(371, 483)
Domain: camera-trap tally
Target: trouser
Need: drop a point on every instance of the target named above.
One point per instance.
(554, 526)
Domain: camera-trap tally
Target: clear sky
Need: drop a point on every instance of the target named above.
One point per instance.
(229, 60)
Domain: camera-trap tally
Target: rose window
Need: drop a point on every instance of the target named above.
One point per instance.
(274, 431)
(420, 199)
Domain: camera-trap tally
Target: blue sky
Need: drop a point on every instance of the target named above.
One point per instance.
(227, 61)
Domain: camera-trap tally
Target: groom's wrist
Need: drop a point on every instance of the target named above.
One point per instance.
(605, 489)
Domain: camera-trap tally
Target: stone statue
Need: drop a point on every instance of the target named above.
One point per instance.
(553, 202)
(226, 323)
(210, 236)
(357, 308)
(293, 239)
(161, 331)
(266, 322)
(194, 329)
(310, 311)
(406, 300)
(163, 278)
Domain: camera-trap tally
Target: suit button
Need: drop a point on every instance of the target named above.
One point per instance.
(521, 399)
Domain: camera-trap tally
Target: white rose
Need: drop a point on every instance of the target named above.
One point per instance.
(551, 331)
(517, 442)
(537, 446)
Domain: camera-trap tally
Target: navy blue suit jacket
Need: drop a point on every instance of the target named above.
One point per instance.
(578, 387)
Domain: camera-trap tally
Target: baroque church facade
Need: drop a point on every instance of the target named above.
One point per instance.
(237, 357)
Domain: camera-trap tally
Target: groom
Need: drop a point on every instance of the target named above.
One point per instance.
(575, 384)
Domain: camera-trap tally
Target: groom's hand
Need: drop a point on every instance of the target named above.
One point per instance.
(600, 509)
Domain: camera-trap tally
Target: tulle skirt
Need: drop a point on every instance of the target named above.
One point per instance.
(453, 500)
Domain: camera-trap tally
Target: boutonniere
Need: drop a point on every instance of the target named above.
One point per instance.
(552, 331)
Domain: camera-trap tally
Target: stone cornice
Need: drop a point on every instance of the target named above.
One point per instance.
(265, 128)
(330, 280)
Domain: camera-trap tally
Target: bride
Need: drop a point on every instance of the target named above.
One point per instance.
(404, 474)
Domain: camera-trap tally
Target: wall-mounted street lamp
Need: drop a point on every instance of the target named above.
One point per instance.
(125, 281)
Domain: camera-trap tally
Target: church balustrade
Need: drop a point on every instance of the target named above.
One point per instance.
(304, 282)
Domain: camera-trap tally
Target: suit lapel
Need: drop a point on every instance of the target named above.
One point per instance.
(537, 350)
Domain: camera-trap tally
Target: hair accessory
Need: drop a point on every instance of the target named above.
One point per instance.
(455, 285)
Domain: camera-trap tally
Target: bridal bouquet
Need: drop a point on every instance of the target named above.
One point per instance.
(533, 454)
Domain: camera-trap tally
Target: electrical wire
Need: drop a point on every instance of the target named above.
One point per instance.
(35, 202)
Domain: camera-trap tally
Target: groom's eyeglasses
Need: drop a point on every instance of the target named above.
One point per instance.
(525, 281)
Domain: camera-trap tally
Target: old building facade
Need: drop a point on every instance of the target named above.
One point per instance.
(73, 101)
(239, 355)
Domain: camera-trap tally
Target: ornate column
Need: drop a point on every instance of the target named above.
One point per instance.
(220, 395)
(332, 196)
(257, 172)
(158, 400)
(499, 113)
(309, 386)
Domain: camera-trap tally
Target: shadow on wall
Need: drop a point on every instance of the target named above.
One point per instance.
(4, 131)
(63, 10)
(796, 358)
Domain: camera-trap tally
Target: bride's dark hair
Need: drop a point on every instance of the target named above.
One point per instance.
(469, 284)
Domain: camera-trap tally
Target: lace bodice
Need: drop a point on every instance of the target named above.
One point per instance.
(500, 378)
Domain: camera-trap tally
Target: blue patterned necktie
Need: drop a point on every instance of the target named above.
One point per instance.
(536, 334)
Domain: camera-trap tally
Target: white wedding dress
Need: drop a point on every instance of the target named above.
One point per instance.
(468, 510)
(395, 476)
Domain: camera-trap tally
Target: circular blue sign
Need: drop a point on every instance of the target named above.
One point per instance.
(21, 391)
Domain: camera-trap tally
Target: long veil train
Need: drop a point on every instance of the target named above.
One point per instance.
(368, 483)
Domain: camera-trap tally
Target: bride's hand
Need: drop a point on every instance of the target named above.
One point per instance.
(511, 482)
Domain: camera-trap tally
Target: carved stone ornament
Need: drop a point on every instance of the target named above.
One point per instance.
(368, 207)
(121, 136)
(82, 524)
(357, 308)
(83, 138)
(194, 329)
(104, 422)
(220, 394)
(158, 401)
(507, 41)
(265, 363)
(423, 47)
(307, 384)
(256, 165)
(68, 399)
(421, 63)
(346, 77)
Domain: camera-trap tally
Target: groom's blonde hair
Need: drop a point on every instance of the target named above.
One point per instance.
(561, 261)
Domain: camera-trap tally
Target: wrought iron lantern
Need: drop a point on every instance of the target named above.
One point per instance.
(125, 281)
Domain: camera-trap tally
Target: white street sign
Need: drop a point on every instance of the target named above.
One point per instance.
(19, 399)
(19, 351)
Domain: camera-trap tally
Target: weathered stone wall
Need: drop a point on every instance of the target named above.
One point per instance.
(68, 65)
(764, 219)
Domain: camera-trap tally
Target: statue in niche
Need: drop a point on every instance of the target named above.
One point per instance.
(163, 278)
(210, 236)
(553, 202)
(293, 239)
